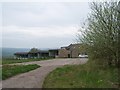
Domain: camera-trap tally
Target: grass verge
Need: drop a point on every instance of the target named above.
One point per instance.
(10, 61)
(88, 75)
(0, 73)
(12, 70)
(0, 61)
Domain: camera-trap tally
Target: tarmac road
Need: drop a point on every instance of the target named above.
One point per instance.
(35, 78)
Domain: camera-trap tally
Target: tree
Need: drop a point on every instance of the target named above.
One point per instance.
(101, 32)
(119, 35)
(33, 50)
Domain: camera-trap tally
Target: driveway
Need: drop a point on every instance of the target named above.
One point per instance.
(35, 78)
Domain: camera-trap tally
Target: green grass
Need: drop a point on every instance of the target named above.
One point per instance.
(82, 76)
(12, 70)
(10, 61)
(0, 69)
(0, 73)
(0, 61)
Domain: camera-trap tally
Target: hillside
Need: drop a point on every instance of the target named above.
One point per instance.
(9, 52)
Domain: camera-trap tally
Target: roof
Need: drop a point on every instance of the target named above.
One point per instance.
(53, 49)
(21, 53)
(26, 53)
(64, 47)
(74, 44)
(71, 45)
(33, 52)
(43, 51)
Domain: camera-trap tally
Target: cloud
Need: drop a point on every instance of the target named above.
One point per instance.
(48, 35)
(55, 31)
(44, 14)
(45, 24)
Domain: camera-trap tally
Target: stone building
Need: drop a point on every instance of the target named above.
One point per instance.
(53, 53)
(72, 51)
(35, 53)
(26, 55)
(64, 52)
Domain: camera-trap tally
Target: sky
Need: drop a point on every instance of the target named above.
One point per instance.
(41, 24)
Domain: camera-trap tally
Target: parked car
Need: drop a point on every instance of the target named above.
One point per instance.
(83, 56)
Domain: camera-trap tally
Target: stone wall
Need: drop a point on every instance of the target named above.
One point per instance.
(63, 53)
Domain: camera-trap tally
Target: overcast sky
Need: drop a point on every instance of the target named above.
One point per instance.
(43, 24)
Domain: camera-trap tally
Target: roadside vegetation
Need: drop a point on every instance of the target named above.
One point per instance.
(89, 75)
(10, 61)
(101, 34)
(0, 73)
(12, 70)
(0, 61)
(101, 39)
(0, 69)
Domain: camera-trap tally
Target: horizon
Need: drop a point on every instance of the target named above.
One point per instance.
(37, 47)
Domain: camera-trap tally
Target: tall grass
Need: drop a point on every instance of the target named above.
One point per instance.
(0, 61)
(0, 73)
(89, 75)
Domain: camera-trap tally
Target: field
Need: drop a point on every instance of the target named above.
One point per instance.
(10, 61)
(88, 75)
(12, 70)
(0, 70)
(0, 73)
(0, 62)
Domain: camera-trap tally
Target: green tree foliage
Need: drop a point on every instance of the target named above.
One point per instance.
(34, 50)
(102, 31)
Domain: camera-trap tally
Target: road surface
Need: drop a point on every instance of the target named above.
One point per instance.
(35, 78)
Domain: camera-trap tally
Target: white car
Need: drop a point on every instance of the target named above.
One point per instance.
(83, 56)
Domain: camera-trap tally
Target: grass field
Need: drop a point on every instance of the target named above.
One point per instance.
(0, 69)
(10, 61)
(12, 70)
(0, 73)
(0, 61)
(88, 75)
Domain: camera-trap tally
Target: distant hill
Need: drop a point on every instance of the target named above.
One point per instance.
(9, 52)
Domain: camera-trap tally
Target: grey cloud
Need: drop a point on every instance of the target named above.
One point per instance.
(31, 20)
(49, 42)
(20, 14)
